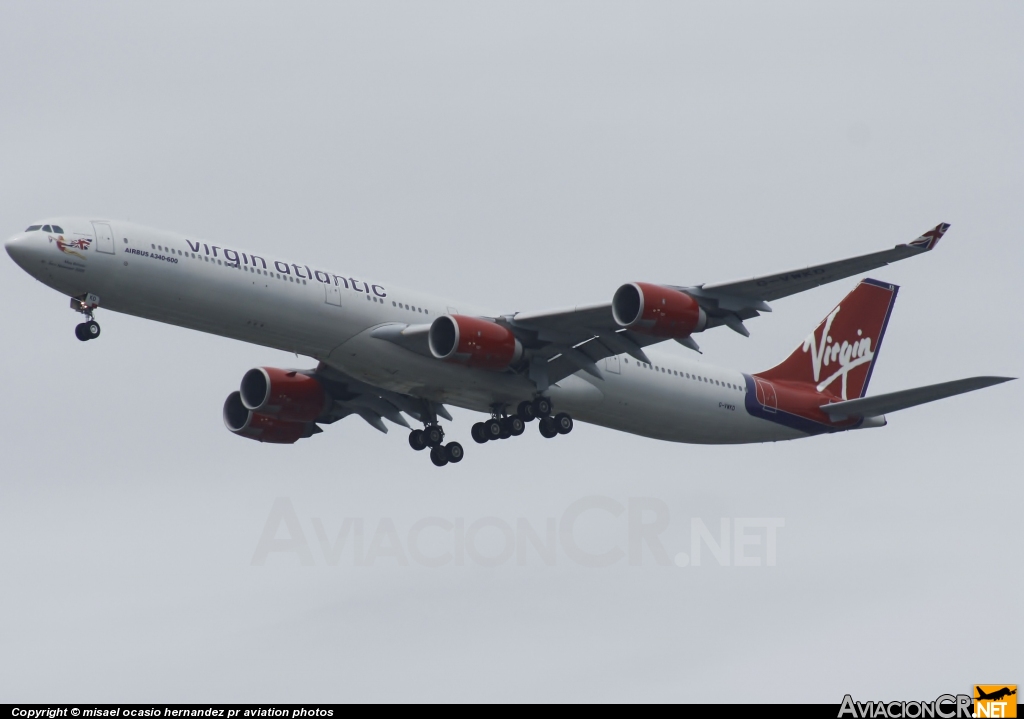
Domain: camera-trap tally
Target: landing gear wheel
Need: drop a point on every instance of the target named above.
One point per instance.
(541, 407)
(479, 433)
(438, 456)
(547, 427)
(563, 423)
(525, 411)
(492, 429)
(516, 425)
(80, 332)
(416, 440)
(506, 427)
(92, 329)
(434, 435)
(453, 452)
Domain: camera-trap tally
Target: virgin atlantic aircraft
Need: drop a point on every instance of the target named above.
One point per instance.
(383, 351)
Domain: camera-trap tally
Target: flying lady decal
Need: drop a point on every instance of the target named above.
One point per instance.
(71, 247)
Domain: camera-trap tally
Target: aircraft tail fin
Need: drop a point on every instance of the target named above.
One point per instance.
(839, 355)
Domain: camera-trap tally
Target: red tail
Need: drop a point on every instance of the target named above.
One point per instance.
(838, 356)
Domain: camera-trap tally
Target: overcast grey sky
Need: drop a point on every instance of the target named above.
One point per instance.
(533, 155)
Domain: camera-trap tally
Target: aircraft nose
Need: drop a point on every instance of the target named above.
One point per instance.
(19, 248)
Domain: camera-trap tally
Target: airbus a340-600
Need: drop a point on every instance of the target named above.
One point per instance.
(386, 353)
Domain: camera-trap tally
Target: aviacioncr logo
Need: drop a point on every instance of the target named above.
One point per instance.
(826, 351)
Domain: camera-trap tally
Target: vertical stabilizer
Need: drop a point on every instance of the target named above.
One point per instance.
(839, 355)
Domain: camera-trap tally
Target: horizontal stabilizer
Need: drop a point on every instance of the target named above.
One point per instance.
(884, 403)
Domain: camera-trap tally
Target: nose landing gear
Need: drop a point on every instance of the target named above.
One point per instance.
(87, 330)
(85, 304)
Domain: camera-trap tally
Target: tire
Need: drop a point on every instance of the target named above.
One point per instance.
(92, 329)
(492, 429)
(478, 433)
(80, 332)
(541, 407)
(416, 440)
(563, 423)
(434, 435)
(453, 452)
(438, 457)
(547, 428)
(506, 428)
(525, 411)
(516, 425)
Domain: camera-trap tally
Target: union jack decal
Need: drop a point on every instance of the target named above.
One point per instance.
(931, 238)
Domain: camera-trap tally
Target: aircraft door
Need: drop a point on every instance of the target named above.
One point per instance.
(612, 364)
(333, 295)
(766, 395)
(104, 238)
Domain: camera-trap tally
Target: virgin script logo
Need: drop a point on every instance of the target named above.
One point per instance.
(828, 352)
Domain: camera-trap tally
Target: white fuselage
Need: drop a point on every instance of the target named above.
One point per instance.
(315, 312)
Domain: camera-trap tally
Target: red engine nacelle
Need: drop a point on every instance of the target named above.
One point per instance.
(283, 394)
(657, 311)
(474, 342)
(246, 423)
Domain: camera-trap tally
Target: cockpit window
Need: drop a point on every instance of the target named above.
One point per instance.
(58, 229)
(33, 228)
(46, 228)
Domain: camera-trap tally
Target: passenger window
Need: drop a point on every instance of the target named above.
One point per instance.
(33, 228)
(58, 229)
(46, 228)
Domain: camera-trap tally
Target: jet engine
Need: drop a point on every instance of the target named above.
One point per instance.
(657, 311)
(474, 342)
(283, 394)
(246, 423)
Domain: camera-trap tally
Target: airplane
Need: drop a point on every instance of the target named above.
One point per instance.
(384, 352)
(996, 695)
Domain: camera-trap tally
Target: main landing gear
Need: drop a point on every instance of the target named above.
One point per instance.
(85, 304)
(433, 436)
(503, 426)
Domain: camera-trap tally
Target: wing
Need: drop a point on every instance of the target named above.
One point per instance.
(751, 292)
(561, 342)
(373, 404)
(567, 340)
